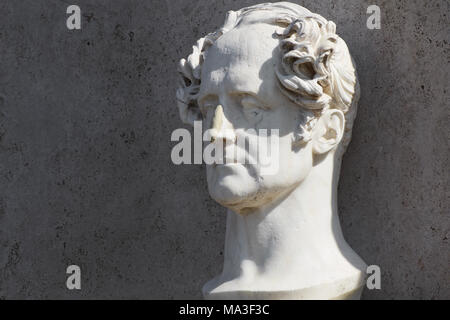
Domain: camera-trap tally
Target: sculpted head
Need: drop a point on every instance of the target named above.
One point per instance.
(271, 66)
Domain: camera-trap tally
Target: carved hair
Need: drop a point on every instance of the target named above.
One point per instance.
(316, 70)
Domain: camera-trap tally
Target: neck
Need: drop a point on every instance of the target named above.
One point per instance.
(293, 244)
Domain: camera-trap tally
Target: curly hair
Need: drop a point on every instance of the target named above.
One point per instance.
(316, 70)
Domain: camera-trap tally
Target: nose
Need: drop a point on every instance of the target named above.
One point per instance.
(222, 128)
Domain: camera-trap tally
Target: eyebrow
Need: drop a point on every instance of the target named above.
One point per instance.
(245, 93)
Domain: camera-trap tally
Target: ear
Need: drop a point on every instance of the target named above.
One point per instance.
(328, 131)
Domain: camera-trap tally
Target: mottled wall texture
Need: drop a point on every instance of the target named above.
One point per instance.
(86, 176)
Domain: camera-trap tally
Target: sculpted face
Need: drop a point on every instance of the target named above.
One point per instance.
(239, 75)
(278, 68)
(270, 67)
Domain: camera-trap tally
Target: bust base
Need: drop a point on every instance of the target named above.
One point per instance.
(345, 289)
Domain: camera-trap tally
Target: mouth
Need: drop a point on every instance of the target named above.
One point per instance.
(233, 156)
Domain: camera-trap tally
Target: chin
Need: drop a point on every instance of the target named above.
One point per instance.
(236, 189)
(233, 187)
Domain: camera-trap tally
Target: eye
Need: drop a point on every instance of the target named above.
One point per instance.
(207, 103)
(205, 108)
(252, 112)
(252, 109)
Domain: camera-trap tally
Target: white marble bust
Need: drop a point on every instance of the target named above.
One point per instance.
(278, 66)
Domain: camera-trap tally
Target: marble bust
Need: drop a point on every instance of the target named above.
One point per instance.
(277, 66)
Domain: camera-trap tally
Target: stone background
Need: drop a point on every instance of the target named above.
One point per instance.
(85, 170)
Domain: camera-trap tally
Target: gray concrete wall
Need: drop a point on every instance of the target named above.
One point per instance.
(85, 170)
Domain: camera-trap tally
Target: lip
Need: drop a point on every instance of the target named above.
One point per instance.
(240, 156)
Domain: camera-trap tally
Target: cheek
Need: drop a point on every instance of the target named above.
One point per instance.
(300, 163)
(271, 119)
(283, 119)
(293, 167)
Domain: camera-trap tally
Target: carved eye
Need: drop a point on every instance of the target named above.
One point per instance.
(252, 109)
(253, 114)
(205, 108)
(207, 104)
